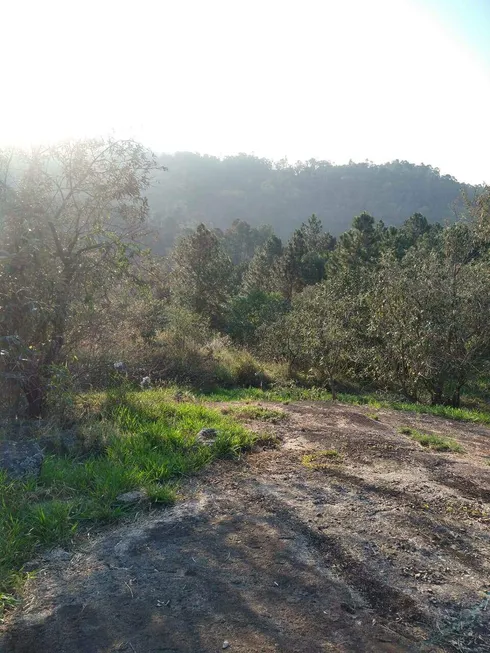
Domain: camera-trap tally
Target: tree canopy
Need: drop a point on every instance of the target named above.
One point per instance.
(258, 191)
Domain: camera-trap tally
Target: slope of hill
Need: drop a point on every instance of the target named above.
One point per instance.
(382, 547)
(217, 191)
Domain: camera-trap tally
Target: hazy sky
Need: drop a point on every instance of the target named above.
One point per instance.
(339, 80)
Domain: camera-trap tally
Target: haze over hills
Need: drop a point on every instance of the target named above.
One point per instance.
(201, 188)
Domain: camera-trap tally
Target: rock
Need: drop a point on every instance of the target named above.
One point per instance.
(207, 436)
(132, 497)
(145, 382)
(226, 644)
(21, 459)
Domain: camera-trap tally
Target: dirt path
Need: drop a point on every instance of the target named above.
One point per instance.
(382, 549)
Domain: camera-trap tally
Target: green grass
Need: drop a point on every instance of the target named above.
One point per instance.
(434, 442)
(288, 394)
(253, 412)
(139, 441)
(321, 459)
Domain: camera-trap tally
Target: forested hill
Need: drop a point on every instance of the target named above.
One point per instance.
(216, 191)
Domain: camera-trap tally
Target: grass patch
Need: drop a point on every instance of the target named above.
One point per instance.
(374, 416)
(294, 393)
(434, 442)
(140, 441)
(321, 459)
(258, 413)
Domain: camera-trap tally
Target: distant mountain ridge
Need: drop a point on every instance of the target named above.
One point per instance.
(201, 188)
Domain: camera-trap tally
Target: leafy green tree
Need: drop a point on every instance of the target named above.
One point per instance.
(203, 275)
(291, 265)
(316, 337)
(303, 260)
(217, 191)
(263, 272)
(73, 216)
(251, 312)
(241, 241)
(357, 253)
(430, 318)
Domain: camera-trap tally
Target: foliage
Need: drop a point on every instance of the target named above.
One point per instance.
(71, 217)
(201, 188)
(202, 275)
(430, 318)
(248, 314)
(261, 272)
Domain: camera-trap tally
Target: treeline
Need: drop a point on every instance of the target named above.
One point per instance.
(404, 309)
(217, 192)
(401, 308)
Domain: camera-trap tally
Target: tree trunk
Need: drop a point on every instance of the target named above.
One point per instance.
(34, 391)
(437, 397)
(456, 398)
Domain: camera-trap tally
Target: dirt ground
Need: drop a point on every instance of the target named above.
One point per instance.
(384, 548)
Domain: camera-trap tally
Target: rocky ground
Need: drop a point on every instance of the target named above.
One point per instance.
(383, 547)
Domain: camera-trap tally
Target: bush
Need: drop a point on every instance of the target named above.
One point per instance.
(241, 369)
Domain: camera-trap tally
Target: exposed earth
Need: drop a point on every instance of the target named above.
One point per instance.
(383, 547)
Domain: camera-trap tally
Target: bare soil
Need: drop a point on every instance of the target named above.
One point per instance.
(383, 548)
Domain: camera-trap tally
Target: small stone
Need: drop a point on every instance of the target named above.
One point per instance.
(132, 497)
(207, 436)
(226, 644)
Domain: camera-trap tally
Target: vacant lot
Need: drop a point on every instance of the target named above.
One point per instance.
(354, 534)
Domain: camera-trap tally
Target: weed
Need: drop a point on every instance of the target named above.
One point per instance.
(258, 413)
(405, 430)
(434, 442)
(321, 459)
(374, 416)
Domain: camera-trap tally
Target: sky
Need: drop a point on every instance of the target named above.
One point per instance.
(347, 79)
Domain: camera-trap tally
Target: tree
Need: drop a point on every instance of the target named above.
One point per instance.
(241, 241)
(203, 275)
(303, 260)
(262, 272)
(251, 312)
(218, 191)
(430, 318)
(72, 218)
